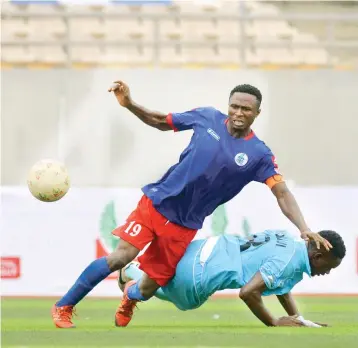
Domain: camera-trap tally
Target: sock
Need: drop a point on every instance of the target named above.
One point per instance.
(90, 277)
(133, 272)
(134, 293)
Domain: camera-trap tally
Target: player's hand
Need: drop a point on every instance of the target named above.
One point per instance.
(122, 93)
(289, 321)
(318, 239)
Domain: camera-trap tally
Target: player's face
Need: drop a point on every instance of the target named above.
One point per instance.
(243, 109)
(322, 264)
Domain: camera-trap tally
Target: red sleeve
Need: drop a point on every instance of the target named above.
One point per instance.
(170, 122)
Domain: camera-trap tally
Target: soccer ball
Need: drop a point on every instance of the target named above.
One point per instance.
(48, 180)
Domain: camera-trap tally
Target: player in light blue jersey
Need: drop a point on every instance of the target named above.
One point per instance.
(269, 263)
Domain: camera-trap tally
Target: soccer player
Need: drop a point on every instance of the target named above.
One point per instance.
(223, 156)
(269, 263)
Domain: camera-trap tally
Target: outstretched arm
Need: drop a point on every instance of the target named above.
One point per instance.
(268, 172)
(251, 294)
(289, 206)
(151, 118)
(288, 303)
(291, 210)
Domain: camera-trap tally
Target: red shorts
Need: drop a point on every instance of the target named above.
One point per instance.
(168, 240)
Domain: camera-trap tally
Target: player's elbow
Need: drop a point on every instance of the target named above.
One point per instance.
(163, 127)
(245, 295)
(159, 122)
(249, 296)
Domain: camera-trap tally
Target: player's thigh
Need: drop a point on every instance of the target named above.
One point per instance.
(164, 253)
(134, 235)
(138, 228)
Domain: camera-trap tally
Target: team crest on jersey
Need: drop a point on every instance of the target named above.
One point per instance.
(241, 159)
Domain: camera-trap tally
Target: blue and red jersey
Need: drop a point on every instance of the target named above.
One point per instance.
(213, 169)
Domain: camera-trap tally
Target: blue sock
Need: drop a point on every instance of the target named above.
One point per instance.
(134, 293)
(90, 277)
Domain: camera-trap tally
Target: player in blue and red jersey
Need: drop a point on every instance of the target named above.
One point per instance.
(224, 155)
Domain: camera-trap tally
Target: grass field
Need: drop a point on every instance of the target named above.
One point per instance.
(219, 323)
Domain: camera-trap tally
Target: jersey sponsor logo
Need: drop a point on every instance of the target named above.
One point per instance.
(213, 134)
(241, 159)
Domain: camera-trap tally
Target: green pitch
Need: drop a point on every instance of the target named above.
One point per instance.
(219, 323)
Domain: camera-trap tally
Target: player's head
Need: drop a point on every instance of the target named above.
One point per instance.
(244, 106)
(323, 261)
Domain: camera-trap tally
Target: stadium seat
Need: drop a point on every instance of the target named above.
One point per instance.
(124, 9)
(94, 8)
(85, 54)
(15, 29)
(229, 31)
(282, 56)
(315, 56)
(205, 30)
(304, 38)
(47, 29)
(28, 7)
(46, 8)
(49, 54)
(264, 30)
(252, 58)
(171, 30)
(129, 29)
(171, 56)
(16, 54)
(184, 7)
(128, 55)
(86, 29)
(201, 56)
(311, 56)
(260, 8)
(218, 30)
(229, 56)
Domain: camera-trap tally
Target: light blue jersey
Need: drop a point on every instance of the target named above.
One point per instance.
(229, 262)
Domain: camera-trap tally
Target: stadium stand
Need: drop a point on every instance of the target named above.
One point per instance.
(274, 34)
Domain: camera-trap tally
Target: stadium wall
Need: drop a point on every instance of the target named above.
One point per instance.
(309, 119)
(45, 246)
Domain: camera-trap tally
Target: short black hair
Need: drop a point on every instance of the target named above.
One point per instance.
(338, 247)
(249, 89)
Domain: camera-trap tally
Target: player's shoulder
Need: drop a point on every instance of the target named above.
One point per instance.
(261, 148)
(284, 234)
(283, 240)
(207, 111)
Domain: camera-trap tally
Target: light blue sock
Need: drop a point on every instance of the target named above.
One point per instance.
(134, 293)
(90, 277)
(133, 272)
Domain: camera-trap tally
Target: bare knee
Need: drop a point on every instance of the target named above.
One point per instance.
(124, 254)
(148, 286)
